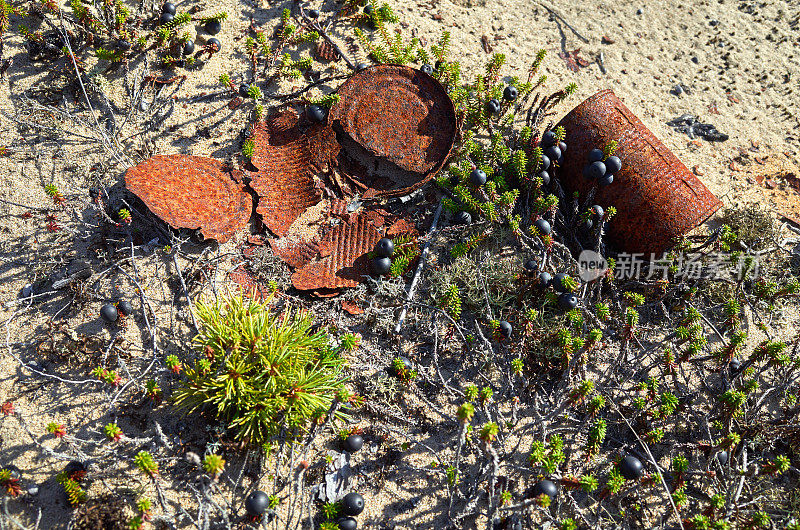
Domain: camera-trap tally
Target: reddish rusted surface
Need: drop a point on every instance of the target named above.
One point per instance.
(343, 252)
(286, 159)
(657, 198)
(192, 192)
(325, 51)
(248, 285)
(396, 126)
(352, 307)
(339, 208)
(401, 226)
(295, 253)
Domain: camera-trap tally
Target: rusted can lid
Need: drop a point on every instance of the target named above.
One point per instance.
(396, 126)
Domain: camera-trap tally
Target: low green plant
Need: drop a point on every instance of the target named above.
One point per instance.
(259, 371)
(75, 493)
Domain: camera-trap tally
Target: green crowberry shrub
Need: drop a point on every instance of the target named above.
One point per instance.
(260, 371)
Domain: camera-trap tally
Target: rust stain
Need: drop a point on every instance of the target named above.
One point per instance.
(396, 126)
(344, 263)
(192, 192)
(656, 196)
(352, 307)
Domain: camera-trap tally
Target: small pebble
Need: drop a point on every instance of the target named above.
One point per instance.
(678, 90)
(713, 22)
(33, 490)
(695, 60)
(639, 11)
(27, 290)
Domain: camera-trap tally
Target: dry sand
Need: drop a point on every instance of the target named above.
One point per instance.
(738, 61)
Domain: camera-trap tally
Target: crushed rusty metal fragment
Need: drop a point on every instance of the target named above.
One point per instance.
(396, 126)
(192, 192)
(657, 198)
(352, 307)
(391, 131)
(287, 159)
(343, 261)
(326, 52)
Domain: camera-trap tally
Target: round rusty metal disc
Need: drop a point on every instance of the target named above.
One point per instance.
(400, 115)
(656, 196)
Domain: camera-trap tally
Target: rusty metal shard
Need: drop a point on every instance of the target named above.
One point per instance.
(295, 254)
(287, 159)
(345, 264)
(192, 192)
(325, 52)
(396, 126)
(657, 198)
(247, 283)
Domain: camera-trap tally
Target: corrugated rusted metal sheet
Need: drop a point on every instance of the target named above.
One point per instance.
(192, 192)
(657, 198)
(286, 165)
(344, 260)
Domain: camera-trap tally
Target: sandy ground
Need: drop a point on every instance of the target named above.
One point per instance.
(737, 61)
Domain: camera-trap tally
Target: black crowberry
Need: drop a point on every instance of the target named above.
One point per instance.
(125, 308)
(353, 443)
(545, 176)
(316, 113)
(169, 7)
(213, 27)
(567, 301)
(545, 280)
(109, 313)
(553, 152)
(353, 504)
(256, 503)
(510, 93)
(631, 467)
(596, 155)
(597, 170)
(542, 226)
(462, 218)
(347, 523)
(381, 266)
(384, 248)
(548, 138)
(493, 106)
(477, 177)
(613, 164)
(545, 487)
(545, 162)
(426, 69)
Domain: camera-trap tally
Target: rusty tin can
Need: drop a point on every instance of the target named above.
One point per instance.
(657, 198)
